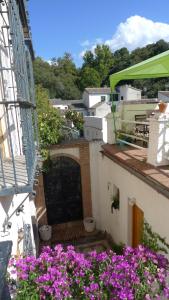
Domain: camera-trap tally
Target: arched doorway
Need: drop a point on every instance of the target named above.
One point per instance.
(62, 185)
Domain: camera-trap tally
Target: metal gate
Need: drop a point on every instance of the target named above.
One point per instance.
(62, 184)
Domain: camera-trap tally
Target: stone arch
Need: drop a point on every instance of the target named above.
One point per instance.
(78, 151)
(53, 156)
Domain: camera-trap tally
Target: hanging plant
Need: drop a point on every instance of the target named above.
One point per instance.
(115, 202)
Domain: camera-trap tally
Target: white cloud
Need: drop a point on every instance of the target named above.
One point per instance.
(93, 45)
(98, 41)
(138, 31)
(49, 62)
(135, 32)
(82, 53)
(85, 43)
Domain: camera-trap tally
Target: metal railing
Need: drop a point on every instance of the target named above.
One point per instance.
(27, 241)
(18, 120)
(131, 136)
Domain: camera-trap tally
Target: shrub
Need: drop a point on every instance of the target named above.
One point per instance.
(57, 274)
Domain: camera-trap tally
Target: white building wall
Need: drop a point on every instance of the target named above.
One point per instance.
(86, 98)
(95, 128)
(103, 110)
(92, 99)
(154, 205)
(129, 93)
(8, 92)
(8, 205)
(70, 151)
(163, 97)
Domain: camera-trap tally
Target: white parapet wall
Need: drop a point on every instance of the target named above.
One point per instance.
(158, 149)
(95, 128)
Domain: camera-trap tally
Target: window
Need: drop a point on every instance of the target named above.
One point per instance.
(92, 113)
(114, 97)
(103, 98)
(122, 98)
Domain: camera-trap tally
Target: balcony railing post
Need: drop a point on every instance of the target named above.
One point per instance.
(11, 147)
(2, 168)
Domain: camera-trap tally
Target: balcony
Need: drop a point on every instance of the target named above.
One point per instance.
(18, 120)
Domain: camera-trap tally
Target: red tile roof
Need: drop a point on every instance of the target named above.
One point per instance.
(134, 160)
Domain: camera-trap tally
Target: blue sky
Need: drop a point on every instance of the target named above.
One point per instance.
(74, 26)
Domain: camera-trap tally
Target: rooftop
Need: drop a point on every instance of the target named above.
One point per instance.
(104, 90)
(165, 93)
(141, 101)
(98, 105)
(134, 160)
(65, 102)
(128, 86)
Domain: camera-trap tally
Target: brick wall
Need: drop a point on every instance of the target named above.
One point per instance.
(84, 161)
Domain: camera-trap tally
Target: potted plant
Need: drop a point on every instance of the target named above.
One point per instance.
(115, 202)
(45, 232)
(162, 106)
(89, 224)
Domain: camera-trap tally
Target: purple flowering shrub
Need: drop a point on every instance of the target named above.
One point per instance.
(57, 274)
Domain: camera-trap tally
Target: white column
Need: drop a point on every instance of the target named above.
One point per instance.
(158, 150)
(111, 138)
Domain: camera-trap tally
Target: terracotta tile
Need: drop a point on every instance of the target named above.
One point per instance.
(136, 160)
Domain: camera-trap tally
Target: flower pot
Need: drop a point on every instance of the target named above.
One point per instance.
(45, 232)
(162, 106)
(89, 224)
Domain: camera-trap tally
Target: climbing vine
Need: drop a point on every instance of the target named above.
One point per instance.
(153, 240)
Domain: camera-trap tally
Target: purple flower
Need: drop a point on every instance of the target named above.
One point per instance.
(66, 274)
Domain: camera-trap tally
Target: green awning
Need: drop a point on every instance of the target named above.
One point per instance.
(154, 67)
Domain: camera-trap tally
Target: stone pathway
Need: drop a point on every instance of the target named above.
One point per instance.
(73, 233)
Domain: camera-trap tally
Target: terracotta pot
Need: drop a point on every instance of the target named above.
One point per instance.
(162, 106)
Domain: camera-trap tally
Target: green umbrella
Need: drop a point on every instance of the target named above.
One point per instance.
(154, 67)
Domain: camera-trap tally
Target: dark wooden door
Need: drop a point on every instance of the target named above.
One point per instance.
(63, 195)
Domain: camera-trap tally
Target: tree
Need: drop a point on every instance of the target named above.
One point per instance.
(50, 121)
(76, 118)
(42, 98)
(101, 61)
(64, 80)
(89, 77)
(44, 75)
(121, 60)
(88, 59)
(65, 65)
(67, 76)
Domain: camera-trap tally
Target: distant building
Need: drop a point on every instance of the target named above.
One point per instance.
(95, 128)
(63, 105)
(92, 96)
(100, 109)
(94, 100)
(163, 96)
(128, 92)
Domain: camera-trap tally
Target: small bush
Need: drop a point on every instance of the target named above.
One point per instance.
(57, 274)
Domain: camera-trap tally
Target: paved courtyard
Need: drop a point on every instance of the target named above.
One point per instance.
(73, 233)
